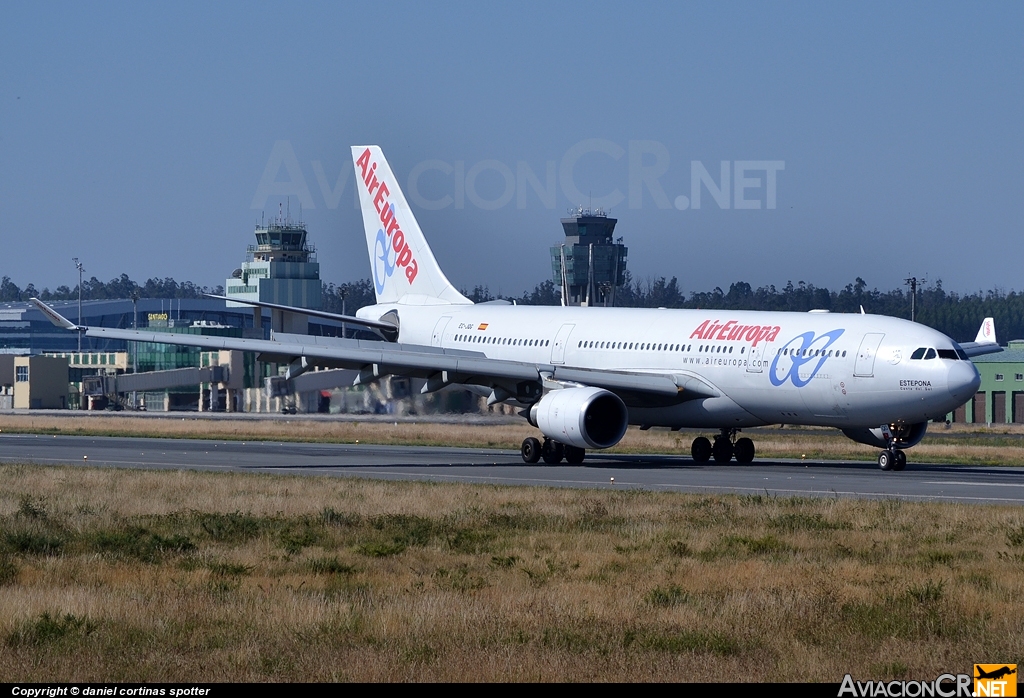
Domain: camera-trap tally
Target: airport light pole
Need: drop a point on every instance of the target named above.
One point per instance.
(135, 345)
(343, 293)
(78, 265)
(913, 282)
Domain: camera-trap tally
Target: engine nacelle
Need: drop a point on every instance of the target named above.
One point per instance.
(581, 417)
(904, 435)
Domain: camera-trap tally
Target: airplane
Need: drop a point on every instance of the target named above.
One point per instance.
(995, 673)
(583, 374)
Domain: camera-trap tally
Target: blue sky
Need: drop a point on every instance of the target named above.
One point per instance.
(135, 135)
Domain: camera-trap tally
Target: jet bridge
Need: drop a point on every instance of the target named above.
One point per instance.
(111, 385)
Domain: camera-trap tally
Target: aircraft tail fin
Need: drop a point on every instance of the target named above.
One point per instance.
(401, 261)
(987, 333)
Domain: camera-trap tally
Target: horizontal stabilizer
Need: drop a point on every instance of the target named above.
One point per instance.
(350, 319)
(985, 342)
(975, 349)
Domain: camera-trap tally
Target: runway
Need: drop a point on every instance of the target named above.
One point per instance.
(966, 484)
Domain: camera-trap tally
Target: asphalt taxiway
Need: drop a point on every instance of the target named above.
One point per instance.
(920, 481)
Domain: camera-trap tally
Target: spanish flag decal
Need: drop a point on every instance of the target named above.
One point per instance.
(483, 326)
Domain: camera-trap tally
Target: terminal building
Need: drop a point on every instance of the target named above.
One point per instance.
(25, 330)
(280, 268)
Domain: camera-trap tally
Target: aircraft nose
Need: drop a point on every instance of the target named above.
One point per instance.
(963, 381)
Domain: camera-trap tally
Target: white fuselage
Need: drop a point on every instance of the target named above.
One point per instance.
(826, 369)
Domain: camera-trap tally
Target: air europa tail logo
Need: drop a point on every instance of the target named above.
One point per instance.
(733, 331)
(390, 248)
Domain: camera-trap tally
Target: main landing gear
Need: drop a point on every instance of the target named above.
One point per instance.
(724, 448)
(551, 451)
(892, 459)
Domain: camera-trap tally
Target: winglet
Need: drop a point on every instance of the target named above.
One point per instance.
(987, 333)
(53, 316)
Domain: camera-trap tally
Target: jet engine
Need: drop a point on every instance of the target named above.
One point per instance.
(903, 435)
(581, 417)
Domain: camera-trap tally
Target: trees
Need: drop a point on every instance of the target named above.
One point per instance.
(953, 314)
(121, 287)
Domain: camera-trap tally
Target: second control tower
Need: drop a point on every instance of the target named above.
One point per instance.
(590, 264)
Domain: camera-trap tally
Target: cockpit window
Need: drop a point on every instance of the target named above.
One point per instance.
(918, 353)
(960, 352)
(947, 354)
(930, 354)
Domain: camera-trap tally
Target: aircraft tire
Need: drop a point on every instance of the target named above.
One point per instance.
(744, 450)
(886, 460)
(701, 450)
(899, 460)
(552, 452)
(530, 450)
(574, 454)
(722, 450)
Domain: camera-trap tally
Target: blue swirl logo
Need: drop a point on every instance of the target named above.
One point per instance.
(383, 261)
(803, 349)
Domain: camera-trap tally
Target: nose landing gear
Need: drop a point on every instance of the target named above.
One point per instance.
(892, 459)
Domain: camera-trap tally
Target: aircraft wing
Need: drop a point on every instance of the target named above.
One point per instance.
(985, 342)
(440, 367)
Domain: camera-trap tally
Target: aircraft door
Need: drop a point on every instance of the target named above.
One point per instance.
(865, 364)
(438, 334)
(561, 339)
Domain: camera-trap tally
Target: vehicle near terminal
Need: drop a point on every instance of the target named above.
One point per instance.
(583, 374)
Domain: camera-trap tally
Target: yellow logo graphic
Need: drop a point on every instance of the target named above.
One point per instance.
(995, 680)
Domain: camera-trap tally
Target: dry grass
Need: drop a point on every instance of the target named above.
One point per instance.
(111, 575)
(962, 444)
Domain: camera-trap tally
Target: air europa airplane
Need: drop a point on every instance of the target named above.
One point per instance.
(584, 374)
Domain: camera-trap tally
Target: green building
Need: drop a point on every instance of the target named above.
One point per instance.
(1000, 399)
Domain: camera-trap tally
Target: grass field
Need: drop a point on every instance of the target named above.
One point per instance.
(120, 575)
(963, 444)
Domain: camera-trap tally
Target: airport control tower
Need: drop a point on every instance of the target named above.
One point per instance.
(590, 264)
(280, 268)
